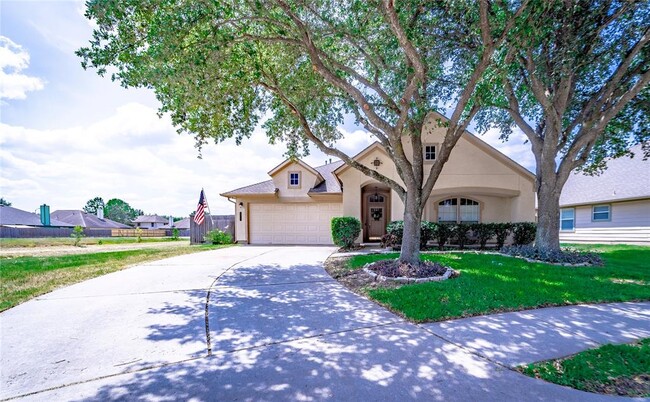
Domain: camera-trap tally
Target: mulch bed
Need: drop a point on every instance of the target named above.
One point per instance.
(396, 269)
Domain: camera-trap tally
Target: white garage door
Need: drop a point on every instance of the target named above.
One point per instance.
(292, 223)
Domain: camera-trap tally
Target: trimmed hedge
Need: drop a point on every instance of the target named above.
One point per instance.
(463, 234)
(523, 233)
(345, 230)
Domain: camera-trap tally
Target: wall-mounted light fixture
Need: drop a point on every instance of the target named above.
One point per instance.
(241, 205)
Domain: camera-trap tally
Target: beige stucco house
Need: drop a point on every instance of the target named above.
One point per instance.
(477, 184)
(613, 207)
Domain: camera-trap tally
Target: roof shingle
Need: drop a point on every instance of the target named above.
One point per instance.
(625, 178)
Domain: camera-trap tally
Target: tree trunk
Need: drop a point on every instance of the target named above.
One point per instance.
(548, 218)
(411, 237)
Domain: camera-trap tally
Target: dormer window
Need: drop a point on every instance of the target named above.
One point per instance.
(294, 179)
(429, 153)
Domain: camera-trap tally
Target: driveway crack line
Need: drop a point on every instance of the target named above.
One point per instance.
(207, 297)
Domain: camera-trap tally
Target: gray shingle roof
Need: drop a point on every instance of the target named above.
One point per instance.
(15, 216)
(625, 178)
(150, 219)
(86, 220)
(329, 185)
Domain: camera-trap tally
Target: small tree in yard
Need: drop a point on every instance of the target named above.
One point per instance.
(77, 234)
(222, 68)
(574, 78)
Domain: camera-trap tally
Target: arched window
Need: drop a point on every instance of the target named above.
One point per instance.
(459, 210)
(376, 198)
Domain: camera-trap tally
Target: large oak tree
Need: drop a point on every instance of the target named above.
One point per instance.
(300, 67)
(574, 78)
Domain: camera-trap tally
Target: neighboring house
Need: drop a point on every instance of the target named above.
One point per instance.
(151, 222)
(613, 207)
(477, 184)
(182, 224)
(86, 220)
(10, 216)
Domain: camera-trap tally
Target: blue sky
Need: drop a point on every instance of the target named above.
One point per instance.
(68, 135)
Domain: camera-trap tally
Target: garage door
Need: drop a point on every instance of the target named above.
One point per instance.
(292, 223)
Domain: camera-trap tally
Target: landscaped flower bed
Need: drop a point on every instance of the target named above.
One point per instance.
(395, 270)
(569, 257)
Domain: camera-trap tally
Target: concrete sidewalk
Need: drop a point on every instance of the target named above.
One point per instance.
(268, 323)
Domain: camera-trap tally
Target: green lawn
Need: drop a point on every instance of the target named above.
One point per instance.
(493, 283)
(611, 369)
(23, 278)
(69, 241)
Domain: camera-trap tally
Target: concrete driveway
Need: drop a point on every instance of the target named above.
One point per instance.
(268, 323)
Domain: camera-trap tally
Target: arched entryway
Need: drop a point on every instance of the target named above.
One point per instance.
(375, 211)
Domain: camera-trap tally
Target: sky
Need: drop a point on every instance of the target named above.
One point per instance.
(68, 135)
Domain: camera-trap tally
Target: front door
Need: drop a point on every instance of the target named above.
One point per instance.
(375, 219)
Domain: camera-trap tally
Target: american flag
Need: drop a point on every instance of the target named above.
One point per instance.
(199, 216)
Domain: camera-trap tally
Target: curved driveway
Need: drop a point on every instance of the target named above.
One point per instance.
(268, 323)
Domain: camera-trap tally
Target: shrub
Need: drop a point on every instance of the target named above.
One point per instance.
(523, 233)
(501, 231)
(461, 234)
(388, 240)
(345, 230)
(77, 234)
(483, 232)
(443, 232)
(217, 236)
(138, 234)
(396, 228)
(427, 231)
(565, 256)
(175, 233)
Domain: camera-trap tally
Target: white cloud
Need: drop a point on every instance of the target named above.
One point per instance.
(13, 60)
(132, 155)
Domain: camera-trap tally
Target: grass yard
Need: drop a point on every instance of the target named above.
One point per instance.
(493, 283)
(610, 369)
(69, 241)
(23, 278)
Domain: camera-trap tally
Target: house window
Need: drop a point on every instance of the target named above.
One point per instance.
(448, 210)
(429, 153)
(567, 219)
(459, 210)
(600, 213)
(294, 179)
(376, 198)
(151, 224)
(469, 211)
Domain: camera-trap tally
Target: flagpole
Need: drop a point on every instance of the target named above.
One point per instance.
(206, 202)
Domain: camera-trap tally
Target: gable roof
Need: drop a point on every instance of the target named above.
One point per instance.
(471, 138)
(626, 178)
(182, 224)
(288, 162)
(15, 216)
(86, 220)
(475, 140)
(329, 184)
(150, 219)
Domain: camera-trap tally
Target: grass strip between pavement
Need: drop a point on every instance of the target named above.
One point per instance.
(23, 278)
(622, 370)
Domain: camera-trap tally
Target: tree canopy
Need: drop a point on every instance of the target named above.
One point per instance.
(220, 69)
(573, 76)
(93, 205)
(4, 202)
(120, 211)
